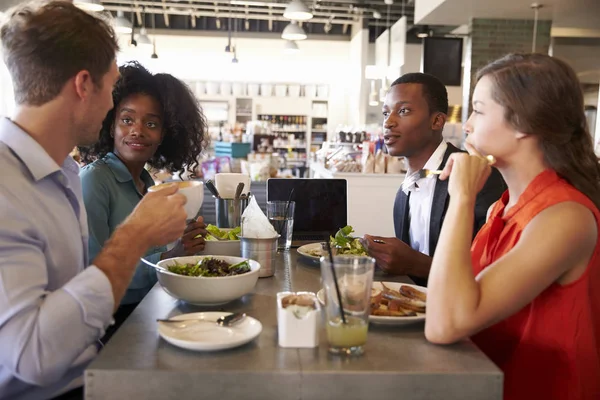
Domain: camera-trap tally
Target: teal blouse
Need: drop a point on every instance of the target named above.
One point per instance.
(110, 195)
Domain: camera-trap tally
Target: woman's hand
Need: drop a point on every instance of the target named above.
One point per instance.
(192, 241)
(467, 172)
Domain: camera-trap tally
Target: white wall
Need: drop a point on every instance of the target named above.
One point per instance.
(357, 86)
(260, 60)
(425, 7)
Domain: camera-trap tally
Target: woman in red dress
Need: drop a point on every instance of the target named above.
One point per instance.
(527, 291)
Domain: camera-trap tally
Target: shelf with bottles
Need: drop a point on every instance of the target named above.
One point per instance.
(289, 148)
(284, 123)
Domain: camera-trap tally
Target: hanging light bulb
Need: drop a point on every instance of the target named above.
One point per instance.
(89, 5)
(122, 24)
(154, 55)
(293, 32)
(298, 11)
(143, 37)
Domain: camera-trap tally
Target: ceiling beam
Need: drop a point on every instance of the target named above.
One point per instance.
(342, 19)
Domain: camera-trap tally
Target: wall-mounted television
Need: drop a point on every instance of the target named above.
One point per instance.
(442, 58)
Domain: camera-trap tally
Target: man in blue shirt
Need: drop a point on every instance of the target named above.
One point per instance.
(54, 303)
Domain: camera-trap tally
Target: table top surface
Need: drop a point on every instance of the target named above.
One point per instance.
(390, 350)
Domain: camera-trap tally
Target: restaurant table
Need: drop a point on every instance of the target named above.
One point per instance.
(398, 362)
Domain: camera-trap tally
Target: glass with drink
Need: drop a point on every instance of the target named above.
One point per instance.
(281, 216)
(347, 335)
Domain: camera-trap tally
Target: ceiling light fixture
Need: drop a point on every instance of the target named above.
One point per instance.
(376, 14)
(290, 47)
(235, 60)
(143, 37)
(122, 24)
(298, 11)
(154, 54)
(293, 32)
(229, 47)
(424, 32)
(89, 5)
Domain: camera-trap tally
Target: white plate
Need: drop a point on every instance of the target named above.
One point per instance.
(379, 320)
(304, 250)
(204, 336)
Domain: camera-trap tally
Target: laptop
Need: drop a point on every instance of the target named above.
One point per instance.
(321, 206)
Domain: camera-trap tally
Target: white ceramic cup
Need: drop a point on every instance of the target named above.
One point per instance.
(192, 190)
(226, 184)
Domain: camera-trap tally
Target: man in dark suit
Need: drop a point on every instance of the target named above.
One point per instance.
(415, 111)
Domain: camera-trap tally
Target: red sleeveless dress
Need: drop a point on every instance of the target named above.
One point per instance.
(551, 348)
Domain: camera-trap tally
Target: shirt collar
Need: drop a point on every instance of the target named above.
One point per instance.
(31, 153)
(120, 171)
(433, 163)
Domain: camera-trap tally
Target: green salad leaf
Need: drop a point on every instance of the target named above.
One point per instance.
(210, 267)
(345, 244)
(216, 233)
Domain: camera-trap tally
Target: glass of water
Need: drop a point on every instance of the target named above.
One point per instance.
(281, 216)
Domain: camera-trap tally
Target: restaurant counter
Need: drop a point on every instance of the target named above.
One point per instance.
(398, 362)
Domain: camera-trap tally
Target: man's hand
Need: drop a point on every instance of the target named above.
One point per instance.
(157, 220)
(192, 241)
(159, 217)
(396, 257)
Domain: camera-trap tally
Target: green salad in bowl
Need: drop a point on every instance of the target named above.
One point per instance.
(215, 234)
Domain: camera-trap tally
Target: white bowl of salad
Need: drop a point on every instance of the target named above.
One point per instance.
(208, 280)
(222, 242)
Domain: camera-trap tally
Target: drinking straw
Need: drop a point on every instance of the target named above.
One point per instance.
(335, 281)
(287, 210)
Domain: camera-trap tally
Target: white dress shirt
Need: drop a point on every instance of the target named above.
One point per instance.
(421, 199)
(52, 310)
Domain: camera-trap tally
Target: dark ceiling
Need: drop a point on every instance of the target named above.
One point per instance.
(331, 17)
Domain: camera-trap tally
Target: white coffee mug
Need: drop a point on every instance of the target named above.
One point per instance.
(192, 190)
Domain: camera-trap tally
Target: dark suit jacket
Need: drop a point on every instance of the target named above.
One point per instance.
(493, 189)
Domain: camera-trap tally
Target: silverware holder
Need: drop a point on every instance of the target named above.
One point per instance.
(229, 212)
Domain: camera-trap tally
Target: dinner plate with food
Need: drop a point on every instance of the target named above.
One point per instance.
(312, 251)
(394, 303)
(343, 243)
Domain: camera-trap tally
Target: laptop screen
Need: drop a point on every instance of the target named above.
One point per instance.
(321, 204)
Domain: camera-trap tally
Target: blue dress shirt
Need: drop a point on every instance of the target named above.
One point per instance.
(52, 309)
(110, 195)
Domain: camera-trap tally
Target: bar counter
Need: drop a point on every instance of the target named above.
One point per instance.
(398, 362)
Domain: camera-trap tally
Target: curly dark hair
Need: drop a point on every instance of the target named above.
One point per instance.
(185, 127)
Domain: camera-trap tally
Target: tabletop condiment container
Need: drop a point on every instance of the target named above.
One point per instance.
(298, 325)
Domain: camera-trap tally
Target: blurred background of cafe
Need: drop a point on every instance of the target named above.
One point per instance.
(303, 99)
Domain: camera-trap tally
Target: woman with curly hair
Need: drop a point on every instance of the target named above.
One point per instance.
(157, 121)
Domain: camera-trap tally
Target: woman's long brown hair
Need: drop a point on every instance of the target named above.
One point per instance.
(542, 96)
